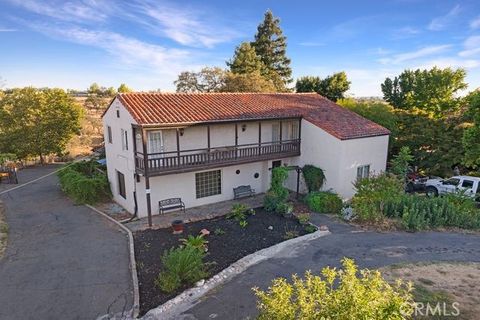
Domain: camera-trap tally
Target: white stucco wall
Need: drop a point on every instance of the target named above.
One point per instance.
(339, 158)
(118, 159)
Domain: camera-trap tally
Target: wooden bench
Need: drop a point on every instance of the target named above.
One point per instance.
(243, 191)
(170, 204)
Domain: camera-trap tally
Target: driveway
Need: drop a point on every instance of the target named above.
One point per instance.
(62, 261)
(370, 249)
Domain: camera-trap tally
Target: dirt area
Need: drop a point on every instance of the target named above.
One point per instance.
(443, 282)
(114, 210)
(3, 230)
(227, 243)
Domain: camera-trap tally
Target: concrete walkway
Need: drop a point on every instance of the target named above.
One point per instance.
(62, 261)
(235, 299)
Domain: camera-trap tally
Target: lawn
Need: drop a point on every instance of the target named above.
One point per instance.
(227, 243)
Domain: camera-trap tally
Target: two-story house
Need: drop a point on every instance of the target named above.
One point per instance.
(200, 146)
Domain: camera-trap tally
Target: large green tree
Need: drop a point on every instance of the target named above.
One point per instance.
(37, 122)
(271, 46)
(471, 135)
(247, 82)
(332, 87)
(123, 88)
(206, 80)
(433, 90)
(245, 60)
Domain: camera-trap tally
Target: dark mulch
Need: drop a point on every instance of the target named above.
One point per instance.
(223, 250)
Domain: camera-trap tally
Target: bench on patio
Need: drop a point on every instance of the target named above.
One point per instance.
(170, 204)
(243, 191)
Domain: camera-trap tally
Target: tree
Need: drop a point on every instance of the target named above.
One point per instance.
(332, 87)
(400, 163)
(123, 88)
(471, 135)
(270, 45)
(207, 80)
(245, 60)
(248, 82)
(431, 90)
(37, 122)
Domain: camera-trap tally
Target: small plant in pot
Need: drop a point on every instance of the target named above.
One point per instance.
(177, 226)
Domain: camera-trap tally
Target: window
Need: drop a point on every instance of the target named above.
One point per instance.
(118, 113)
(276, 163)
(363, 172)
(124, 139)
(121, 184)
(467, 184)
(109, 133)
(451, 182)
(276, 132)
(208, 183)
(292, 129)
(155, 142)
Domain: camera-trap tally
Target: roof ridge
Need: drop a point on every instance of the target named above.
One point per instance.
(217, 93)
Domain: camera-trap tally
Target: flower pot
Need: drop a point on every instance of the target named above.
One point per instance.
(177, 226)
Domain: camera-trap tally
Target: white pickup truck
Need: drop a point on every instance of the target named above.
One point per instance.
(470, 186)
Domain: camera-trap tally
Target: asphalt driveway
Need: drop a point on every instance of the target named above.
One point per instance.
(235, 299)
(62, 261)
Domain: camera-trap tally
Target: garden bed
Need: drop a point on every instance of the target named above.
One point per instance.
(223, 249)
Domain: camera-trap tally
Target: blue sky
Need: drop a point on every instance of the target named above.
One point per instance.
(146, 43)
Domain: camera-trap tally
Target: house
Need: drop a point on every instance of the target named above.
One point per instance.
(200, 146)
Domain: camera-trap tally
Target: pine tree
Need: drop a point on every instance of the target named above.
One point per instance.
(245, 60)
(270, 45)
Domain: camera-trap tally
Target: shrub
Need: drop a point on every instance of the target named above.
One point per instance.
(277, 195)
(303, 218)
(324, 202)
(84, 183)
(336, 294)
(373, 193)
(239, 212)
(310, 228)
(285, 208)
(419, 213)
(314, 177)
(197, 242)
(182, 265)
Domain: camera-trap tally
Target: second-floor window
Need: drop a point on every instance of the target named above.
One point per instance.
(109, 134)
(155, 142)
(124, 139)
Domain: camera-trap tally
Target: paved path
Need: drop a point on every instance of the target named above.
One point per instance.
(62, 261)
(370, 249)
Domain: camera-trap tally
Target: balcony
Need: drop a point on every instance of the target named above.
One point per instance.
(200, 159)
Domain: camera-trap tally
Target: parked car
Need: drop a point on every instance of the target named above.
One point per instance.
(470, 186)
(415, 181)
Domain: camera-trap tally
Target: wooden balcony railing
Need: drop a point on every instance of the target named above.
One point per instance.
(198, 159)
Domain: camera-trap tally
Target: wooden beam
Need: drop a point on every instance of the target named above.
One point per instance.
(299, 129)
(208, 138)
(147, 178)
(259, 133)
(178, 143)
(281, 122)
(236, 134)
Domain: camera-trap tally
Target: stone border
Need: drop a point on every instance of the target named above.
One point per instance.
(133, 264)
(190, 297)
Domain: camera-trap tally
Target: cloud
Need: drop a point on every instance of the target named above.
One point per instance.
(7, 30)
(475, 23)
(405, 32)
(81, 11)
(311, 44)
(441, 22)
(412, 55)
(185, 25)
(471, 47)
(450, 62)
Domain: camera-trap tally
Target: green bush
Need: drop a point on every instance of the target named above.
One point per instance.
(419, 213)
(182, 265)
(84, 183)
(197, 242)
(324, 202)
(373, 193)
(239, 212)
(277, 195)
(336, 294)
(314, 177)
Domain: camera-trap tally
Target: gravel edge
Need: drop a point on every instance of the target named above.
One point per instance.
(188, 298)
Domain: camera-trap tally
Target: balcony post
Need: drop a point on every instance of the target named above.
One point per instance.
(299, 133)
(147, 178)
(236, 139)
(281, 134)
(208, 138)
(178, 147)
(259, 138)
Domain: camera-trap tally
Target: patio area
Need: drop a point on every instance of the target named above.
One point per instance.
(194, 214)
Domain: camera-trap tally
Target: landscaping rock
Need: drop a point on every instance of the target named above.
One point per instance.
(200, 283)
(270, 228)
(204, 232)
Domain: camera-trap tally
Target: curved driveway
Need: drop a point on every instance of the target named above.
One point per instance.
(62, 261)
(235, 300)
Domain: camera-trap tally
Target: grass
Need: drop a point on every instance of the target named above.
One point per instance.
(3, 230)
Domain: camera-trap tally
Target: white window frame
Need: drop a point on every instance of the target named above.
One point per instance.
(155, 142)
(124, 137)
(363, 171)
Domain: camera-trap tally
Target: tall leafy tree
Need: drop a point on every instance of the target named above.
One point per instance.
(245, 60)
(332, 87)
(123, 88)
(271, 46)
(247, 82)
(206, 80)
(471, 135)
(431, 90)
(37, 122)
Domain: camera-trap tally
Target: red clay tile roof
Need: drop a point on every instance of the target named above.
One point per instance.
(188, 108)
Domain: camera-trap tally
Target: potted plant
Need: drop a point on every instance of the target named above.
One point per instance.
(177, 226)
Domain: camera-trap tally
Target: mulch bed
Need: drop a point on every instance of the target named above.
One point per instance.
(223, 250)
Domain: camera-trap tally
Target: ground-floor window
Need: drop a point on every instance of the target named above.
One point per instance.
(363, 171)
(121, 184)
(208, 183)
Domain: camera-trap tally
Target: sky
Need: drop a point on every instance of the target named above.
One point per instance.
(147, 43)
